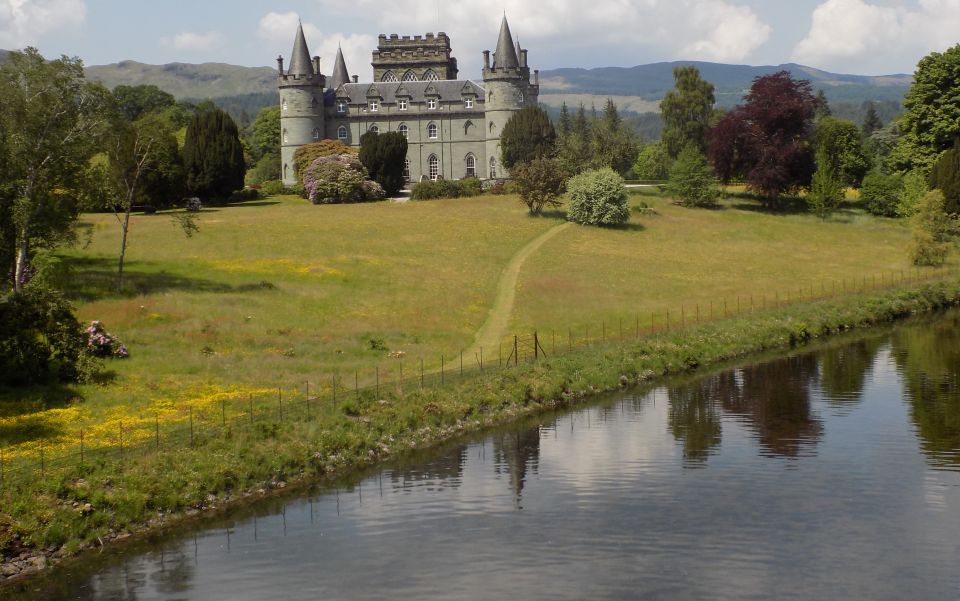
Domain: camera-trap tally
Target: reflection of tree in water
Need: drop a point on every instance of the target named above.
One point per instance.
(514, 453)
(844, 371)
(929, 360)
(446, 470)
(175, 573)
(694, 417)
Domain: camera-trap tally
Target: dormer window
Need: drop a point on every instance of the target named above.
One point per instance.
(341, 106)
(401, 104)
(468, 103)
(373, 106)
(431, 103)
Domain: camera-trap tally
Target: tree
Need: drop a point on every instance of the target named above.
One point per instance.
(541, 182)
(52, 119)
(881, 193)
(145, 167)
(823, 105)
(686, 111)
(613, 143)
(573, 147)
(213, 155)
(527, 135)
(383, 155)
(931, 118)
(692, 180)
(946, 178)
(826, 189)
(598, 198)
(842, 145)
(136, 101)
(931, 231)
(265, 133)
(871, 121)
(766, 140)
(564, 123)
(653, 162)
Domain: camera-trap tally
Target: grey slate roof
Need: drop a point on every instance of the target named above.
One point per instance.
(505, 56)
(300, 63)
(340, 74)
(415, 91)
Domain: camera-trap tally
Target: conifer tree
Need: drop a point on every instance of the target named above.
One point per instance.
(213, 155)
(946, 178)
(871, 121)
(686, 111)
(826, 189)
(383, 156)
(526, 136)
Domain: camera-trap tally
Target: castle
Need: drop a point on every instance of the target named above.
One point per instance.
(452, 126)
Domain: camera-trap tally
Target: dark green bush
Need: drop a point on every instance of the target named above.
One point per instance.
(946, 178)
(446, 188)
(273, 188)
(881, 193)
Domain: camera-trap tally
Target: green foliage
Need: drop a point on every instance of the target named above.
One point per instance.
(41, 342)
(881, 193)
(826, 189)
(653, 162)
(213, 155)
(686, 111)
(266, 169)
(931, 118)
(598, 198)
(273, 188)
(136, 101)
(931, 231)
(914, 188)
(541, 182)
(945, 177)
(692, 180)
(871, 121)
(613, 143)
(446, 188)
(383, 155)
(840, 143)
(527, 135)
(265, 133)
(307, 154)
(144, 162)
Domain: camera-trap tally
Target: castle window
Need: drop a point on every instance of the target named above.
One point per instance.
(430, 75)
(431, 103)
(434, 167)
(402, 104)
(493, 128)
(341, 106)
(375, 129)
(493, 168)
(342, 133)
(284, 105)
(471, 163)
(468, 103)
(316, 133)
(519, 96)
(388, 76)
(314, 103)
(432, 131)
(286, 138)
(373, 105)
(468, 128)
(406, 170)
(410, 76)
(404, 130)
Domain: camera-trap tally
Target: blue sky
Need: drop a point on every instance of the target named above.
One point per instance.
(850, 36)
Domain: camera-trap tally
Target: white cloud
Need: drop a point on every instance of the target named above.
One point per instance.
(194, 42)
(718, 30)
(280, 28)
(22, 22)
(879, 39)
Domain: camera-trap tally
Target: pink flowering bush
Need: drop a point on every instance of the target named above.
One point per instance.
(101, 343)
(339, 179)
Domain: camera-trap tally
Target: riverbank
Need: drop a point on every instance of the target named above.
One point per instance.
(89, 506)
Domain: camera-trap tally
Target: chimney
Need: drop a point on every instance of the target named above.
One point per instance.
(280, 64)
(316, 65)
(523, 58)
(536, 77)
(356, 79)
(486, 59)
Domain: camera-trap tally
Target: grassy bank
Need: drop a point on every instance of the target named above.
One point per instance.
(78, 507)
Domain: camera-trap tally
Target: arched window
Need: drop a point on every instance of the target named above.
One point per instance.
(406, 170)
(410, 76)
(468, 128)
(493, 128)
(388, 76)
(493, 168)
(286, 138)
(404, 130)
(286, 170)
(429, 75)
(471, 164)
(432, 131)
(433, 167)
(314, 103)
(316, 133)
(342, 133)
(375, 129)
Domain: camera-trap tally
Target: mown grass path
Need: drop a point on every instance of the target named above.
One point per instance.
(493, 330)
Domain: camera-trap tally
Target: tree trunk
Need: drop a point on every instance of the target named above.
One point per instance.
(123, 240)
(19, 274)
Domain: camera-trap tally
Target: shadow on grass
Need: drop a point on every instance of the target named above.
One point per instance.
(786, 205)
(23, 403)
(92, 279)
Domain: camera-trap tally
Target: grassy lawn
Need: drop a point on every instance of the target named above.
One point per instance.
(282, 293)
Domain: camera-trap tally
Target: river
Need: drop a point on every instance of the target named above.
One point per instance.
(827, 474)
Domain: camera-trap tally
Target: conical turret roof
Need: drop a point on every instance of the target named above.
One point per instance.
(300, 63)
(506, 54)
(340, 74)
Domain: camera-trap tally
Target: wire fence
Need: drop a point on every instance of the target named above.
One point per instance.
(191, 425)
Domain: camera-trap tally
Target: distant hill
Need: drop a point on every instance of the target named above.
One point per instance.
(208, 80)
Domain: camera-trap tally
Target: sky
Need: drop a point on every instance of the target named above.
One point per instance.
(868, 37)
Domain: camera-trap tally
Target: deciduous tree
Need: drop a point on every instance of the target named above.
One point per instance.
(542, 182)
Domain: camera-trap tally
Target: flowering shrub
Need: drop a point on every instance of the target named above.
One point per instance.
(338, 179)
(101, 343)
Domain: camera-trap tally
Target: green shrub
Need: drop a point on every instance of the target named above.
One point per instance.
(946, 178)
(470, 186)
(692, 180)
(273, 188)
(598, 198)
(653, 162)
(266, 169)
(244, 195)
(446, 188)
(826, 189)
(426, 190)
(914, 188)
(931, 231)
(881, 193)
(542, 182)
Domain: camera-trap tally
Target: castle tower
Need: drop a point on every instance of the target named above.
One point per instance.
(340, 74)
(301, 104)
(507, 81)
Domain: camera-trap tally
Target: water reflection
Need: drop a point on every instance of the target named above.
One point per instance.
(844, 371)
(514, 454)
